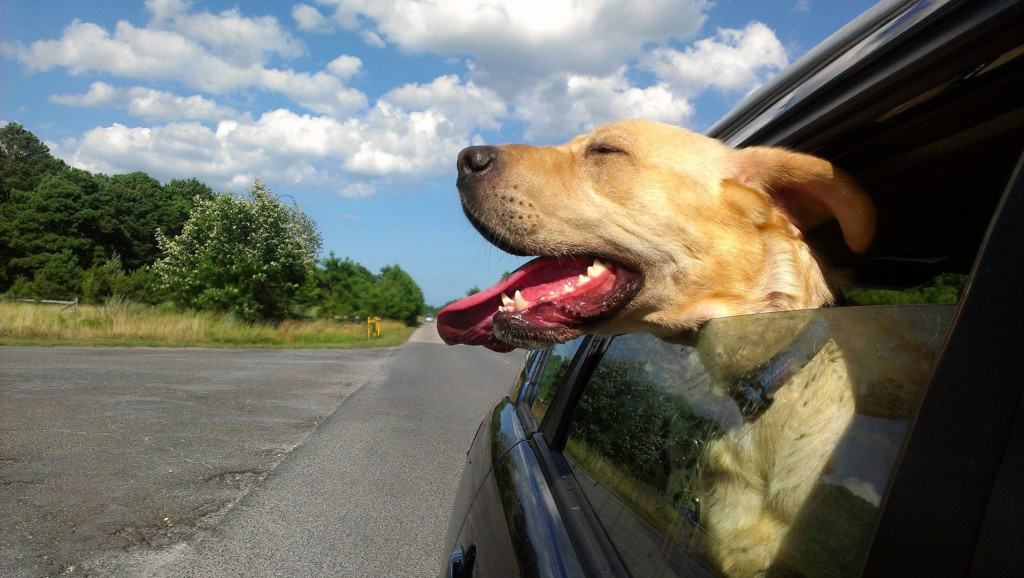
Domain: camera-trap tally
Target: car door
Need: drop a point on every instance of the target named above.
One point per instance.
(505, 522)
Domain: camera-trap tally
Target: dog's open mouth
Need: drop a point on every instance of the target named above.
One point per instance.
(545, 301)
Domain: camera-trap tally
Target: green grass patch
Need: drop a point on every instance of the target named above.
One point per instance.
(945, 288)
(644, 500)
(127, 324)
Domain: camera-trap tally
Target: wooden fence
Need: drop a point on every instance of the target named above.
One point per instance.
(66, 304)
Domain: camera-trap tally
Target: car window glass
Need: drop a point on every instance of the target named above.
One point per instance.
(762, 444)
(527, 373)
(556, 363)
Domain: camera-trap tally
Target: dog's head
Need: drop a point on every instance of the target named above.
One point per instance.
(641, 226)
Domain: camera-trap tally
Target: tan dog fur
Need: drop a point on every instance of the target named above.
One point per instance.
(715, 232)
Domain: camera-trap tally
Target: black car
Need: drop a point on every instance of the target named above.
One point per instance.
(590, 466)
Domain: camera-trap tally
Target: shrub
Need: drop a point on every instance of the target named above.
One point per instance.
(103, 280)
(59, 278)
(247, 256)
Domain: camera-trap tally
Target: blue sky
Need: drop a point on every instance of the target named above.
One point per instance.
(356, 109)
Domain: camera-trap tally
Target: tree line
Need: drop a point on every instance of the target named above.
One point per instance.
(67, 233)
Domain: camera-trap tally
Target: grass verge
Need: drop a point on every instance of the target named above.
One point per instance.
(130, 324)
(650, 505)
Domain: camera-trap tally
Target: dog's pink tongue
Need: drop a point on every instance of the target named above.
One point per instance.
(469, 320)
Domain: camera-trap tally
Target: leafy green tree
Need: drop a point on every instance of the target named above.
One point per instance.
(179, 195)
(49, 219)
(340, 288)
(344, 288)
(124, 211)
(622, 418)
(24, 160)
(246, 255)
(65, 231)
(127, 210)
(47, 207)
(397, 296)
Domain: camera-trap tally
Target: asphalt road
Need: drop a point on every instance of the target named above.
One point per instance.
(197, 462)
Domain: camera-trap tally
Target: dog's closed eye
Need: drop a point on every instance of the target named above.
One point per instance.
(605, 149)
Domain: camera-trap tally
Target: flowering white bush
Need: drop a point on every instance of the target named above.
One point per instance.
(245, 255)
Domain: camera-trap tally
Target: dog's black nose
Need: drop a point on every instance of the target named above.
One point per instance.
(476, 160)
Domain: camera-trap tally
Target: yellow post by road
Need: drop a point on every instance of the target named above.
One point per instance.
(373, 326)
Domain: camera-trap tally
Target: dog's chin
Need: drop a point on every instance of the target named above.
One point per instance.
(516, 331)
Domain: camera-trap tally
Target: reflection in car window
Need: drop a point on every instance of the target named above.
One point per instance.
(527, 372)
(543, 390)
(763, 444)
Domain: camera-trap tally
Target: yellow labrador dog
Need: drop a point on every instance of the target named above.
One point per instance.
(640, 226)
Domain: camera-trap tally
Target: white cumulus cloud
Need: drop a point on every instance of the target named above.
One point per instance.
(566, 105)
(556, 68)
(344, 66)
(526, 36)
(240, 39)
(466, 105)
(310, 19)
(206, 52)
(413, 132)
(319, 92)
(147, 103)
(733, 60)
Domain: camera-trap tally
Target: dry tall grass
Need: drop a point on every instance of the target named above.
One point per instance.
(124, 323)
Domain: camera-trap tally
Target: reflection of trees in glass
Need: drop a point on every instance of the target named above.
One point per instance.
(554, 368)
(503, 478)
(630, 421)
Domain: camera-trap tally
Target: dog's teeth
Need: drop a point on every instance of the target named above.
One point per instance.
(520, 302)
(506, 300)
(583, 280)
(596, 269)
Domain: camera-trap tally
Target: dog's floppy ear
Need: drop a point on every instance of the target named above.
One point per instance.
(809, 191)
